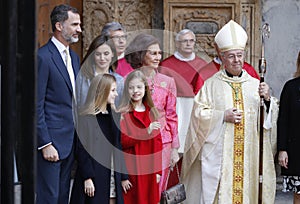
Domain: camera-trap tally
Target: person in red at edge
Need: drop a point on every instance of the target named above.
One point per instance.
(215, 65)
(183, 66)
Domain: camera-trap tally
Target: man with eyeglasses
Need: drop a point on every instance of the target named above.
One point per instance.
(221, 156)
(183, 66)
(116, 32)
(214, 66)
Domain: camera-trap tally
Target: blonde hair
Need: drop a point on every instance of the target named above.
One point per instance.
(126, 103)
(297, 73)
(98, 93)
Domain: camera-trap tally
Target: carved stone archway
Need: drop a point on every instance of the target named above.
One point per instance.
(206, 17)
(134, 15)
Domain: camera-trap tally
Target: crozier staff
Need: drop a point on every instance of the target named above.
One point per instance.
(262, 71)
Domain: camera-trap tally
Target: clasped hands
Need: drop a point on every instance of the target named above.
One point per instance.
(233, 115)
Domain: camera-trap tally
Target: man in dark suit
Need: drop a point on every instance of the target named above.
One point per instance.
(57, 69)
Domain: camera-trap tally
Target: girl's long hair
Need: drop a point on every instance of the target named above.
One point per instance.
(126, 102)
(297, 73)
(98, 93)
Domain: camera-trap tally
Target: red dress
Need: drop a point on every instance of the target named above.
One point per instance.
(143, 157)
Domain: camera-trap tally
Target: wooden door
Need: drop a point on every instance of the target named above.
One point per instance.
(44, 8)
(206, 17)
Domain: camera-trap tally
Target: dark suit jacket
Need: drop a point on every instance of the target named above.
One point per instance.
(54, 106)
(288, 126)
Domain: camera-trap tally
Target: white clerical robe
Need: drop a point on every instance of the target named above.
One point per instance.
(212, 171)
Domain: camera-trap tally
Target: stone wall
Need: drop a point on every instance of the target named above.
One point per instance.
(284, 43)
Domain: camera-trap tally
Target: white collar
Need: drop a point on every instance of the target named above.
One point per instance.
(121, 56)
(181, 58)
(61, 47)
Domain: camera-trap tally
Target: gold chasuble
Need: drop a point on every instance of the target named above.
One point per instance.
(221, 159)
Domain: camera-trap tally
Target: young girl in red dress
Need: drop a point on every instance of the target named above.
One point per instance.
(141, 140)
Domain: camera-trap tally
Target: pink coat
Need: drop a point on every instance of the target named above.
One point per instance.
(164, 95)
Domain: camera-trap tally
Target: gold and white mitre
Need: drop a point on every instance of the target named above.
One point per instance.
(231, 36)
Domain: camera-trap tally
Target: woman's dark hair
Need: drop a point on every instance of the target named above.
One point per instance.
(88, 60)
(60, 14)
(136, 50)
(297, 73)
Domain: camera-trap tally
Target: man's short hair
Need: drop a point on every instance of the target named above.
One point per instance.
(183, 32)
(111, 26)
(60, 14)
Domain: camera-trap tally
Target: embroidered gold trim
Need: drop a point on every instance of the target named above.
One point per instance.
(238, 148)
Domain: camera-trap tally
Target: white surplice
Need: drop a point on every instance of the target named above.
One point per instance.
(207, 169)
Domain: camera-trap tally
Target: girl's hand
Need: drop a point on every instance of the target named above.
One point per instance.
(283, 159)
(158, 178)
(126, 185)
(153, 126)
(89, 187)
(174, 157)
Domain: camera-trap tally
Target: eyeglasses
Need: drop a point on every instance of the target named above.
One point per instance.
(187, 41)
(120, 37)
(234, 56)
